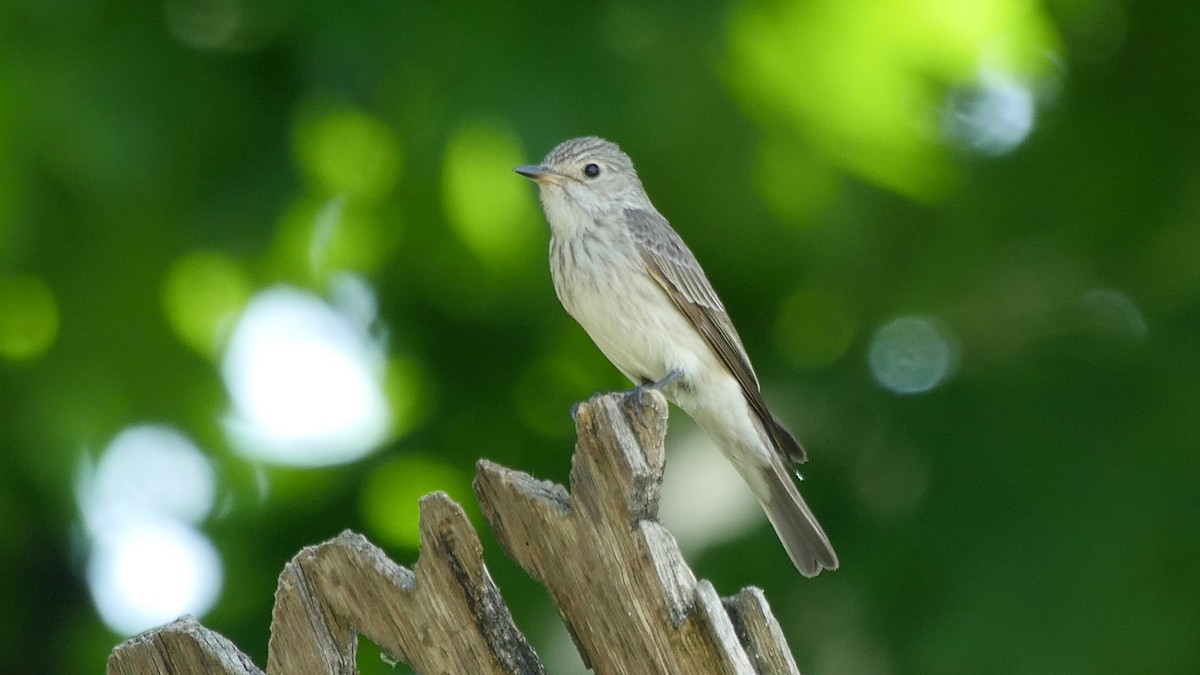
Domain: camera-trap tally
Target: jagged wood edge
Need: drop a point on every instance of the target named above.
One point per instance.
(446, 615)
(182, 646)
(621, 585)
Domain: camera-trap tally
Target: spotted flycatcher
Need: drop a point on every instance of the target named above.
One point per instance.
(630, 281)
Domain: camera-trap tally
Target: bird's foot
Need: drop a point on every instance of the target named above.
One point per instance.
(637, 396)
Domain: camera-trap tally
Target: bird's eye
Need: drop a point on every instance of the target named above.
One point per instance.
(591, 170)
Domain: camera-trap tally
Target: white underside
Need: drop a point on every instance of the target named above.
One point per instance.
(633, 322)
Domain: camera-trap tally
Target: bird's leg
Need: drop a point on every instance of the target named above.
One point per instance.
(638, 395)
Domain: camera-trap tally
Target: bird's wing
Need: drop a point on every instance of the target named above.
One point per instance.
(674, 267)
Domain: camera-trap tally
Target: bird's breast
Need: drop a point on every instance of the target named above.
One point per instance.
(603, 284)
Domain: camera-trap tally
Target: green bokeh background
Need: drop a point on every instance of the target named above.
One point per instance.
(1038, 512)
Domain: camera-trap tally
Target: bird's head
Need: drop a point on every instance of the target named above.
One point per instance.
(587, 173)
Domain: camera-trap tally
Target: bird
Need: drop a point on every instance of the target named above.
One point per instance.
(637, 290)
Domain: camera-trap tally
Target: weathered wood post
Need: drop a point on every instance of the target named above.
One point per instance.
(620, 583)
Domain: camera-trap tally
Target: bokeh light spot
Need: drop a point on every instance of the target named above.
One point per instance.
(490, 208)
(306, 382)
(1112, 313)
(152, 571)
(704, 501)
(148, 469)
(206, 24)
(860, 81)
(318, 237)
(390, 498)
(28, 317)
(147, 563)
(992, 116)
(815, 327)
(911, 355)
(203, 294)
(348, 152)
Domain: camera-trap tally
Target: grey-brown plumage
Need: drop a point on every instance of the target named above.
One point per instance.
(629, 280)
(674, 267)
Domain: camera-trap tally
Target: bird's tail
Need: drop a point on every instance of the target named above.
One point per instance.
(761, 465)
(794, 523)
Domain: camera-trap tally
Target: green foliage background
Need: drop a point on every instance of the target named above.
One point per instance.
(1037, 512)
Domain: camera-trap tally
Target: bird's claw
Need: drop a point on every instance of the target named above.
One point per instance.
(636, 399)
(637, 396)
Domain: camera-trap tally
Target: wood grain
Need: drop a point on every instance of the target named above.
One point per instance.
(627, 596)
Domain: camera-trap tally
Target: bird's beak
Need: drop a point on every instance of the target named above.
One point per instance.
(540, 175)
